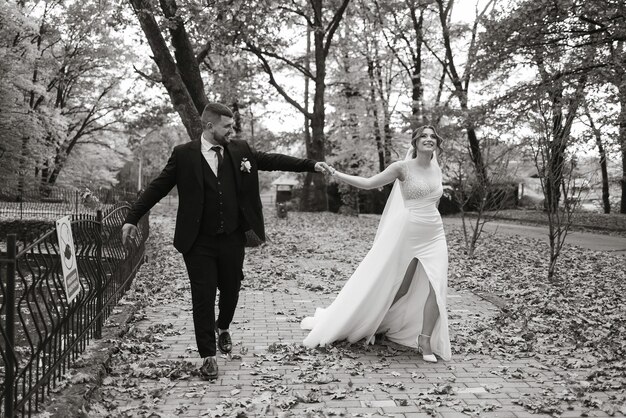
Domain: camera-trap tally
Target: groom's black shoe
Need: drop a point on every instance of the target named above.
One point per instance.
(209, 368)
(224, 343)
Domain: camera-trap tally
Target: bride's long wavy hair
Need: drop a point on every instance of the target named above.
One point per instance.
(417, 132)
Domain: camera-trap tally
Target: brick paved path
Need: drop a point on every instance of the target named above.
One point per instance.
(272, 375)
(383, 380)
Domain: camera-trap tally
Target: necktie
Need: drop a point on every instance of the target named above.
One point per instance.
(219, 156)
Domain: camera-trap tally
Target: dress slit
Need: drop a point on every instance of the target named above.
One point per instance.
(409, 274)
(406, 313)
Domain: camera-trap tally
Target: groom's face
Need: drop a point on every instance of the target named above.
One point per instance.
(222, 129)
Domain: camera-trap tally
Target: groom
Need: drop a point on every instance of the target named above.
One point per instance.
(218, 191)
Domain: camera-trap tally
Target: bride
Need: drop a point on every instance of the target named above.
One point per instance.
(400, 287)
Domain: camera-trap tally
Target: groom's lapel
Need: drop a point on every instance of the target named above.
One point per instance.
(235, 157)
(196, 161)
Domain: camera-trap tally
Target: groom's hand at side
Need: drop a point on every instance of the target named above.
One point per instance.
(323, 168)
(129, 234)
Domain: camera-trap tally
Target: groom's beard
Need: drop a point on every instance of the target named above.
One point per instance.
(223, 141)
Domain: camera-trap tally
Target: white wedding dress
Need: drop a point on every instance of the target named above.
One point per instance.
(410, 227)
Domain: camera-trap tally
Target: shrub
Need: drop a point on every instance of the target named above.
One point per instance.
(27, 230)
(528, 202)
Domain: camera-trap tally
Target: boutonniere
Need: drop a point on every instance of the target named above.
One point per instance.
(245, 165)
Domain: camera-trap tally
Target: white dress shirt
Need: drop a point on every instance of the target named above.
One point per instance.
(210, 156)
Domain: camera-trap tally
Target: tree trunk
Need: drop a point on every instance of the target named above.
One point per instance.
(461, 92)
(561, 129)
(417, 89)
(380, 146)
(317, 200)
(44, 187)
(476, 154)
(186, 61)
(171, 77)
(313, 198)
(308, 178)
(237, 113)
(606, 202)
(622, 140)
(387, 134)
(23, 167)
(252, 130)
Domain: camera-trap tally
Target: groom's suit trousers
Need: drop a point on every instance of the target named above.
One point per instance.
(214, 262)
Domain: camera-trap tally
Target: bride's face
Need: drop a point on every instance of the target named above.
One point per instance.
(427, 141)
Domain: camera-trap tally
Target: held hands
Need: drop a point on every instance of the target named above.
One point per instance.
(324, 168)
(130, 233)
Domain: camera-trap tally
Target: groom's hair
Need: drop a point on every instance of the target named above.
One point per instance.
(214, 111)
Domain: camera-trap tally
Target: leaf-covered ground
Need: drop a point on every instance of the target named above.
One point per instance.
(575, 325)
(550, 348)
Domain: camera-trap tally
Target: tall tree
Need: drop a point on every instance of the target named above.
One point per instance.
(606, 26)
(323, 21)
(366, 72)
(20, 129)
(596, 132)
(182, 45)
(461, 81)
(546, 37)
(72, 66)
(402, 26)
(179, 72)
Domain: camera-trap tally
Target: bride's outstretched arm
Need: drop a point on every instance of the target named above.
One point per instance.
(387, 176)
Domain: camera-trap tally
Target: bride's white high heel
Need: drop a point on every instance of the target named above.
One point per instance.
(430, 358)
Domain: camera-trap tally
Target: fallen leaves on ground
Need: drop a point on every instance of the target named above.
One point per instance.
(574, 326)
(575, 323)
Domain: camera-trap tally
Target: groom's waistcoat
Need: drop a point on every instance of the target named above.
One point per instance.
(220, 212)
(198, 202)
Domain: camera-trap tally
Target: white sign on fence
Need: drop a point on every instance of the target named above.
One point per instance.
(67, 252)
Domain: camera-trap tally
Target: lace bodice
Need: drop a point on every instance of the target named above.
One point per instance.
(417, 186)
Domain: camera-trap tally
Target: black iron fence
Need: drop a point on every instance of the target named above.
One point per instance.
(29, 203)
(41, 333)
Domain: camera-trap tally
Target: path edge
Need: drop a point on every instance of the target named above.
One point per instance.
(73, 394)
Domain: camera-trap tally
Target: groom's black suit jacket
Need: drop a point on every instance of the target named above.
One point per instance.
(184, 170)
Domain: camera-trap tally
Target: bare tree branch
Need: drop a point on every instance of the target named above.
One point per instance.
(471, 53)
(391, 46)
(204, 52)
(268, 69)
(299, 13)
(255, 50)
(333, 25)
(186, 61)
(150, 78)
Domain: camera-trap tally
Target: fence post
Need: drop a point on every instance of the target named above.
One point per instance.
(99, 278)
(9, 401)
(76, 201)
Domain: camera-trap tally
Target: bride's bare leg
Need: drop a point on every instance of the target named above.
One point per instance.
(431, 314)
(406, 281)
(431, 310)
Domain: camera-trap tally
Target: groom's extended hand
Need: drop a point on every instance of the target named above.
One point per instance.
(322, 167)
(129, 234)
